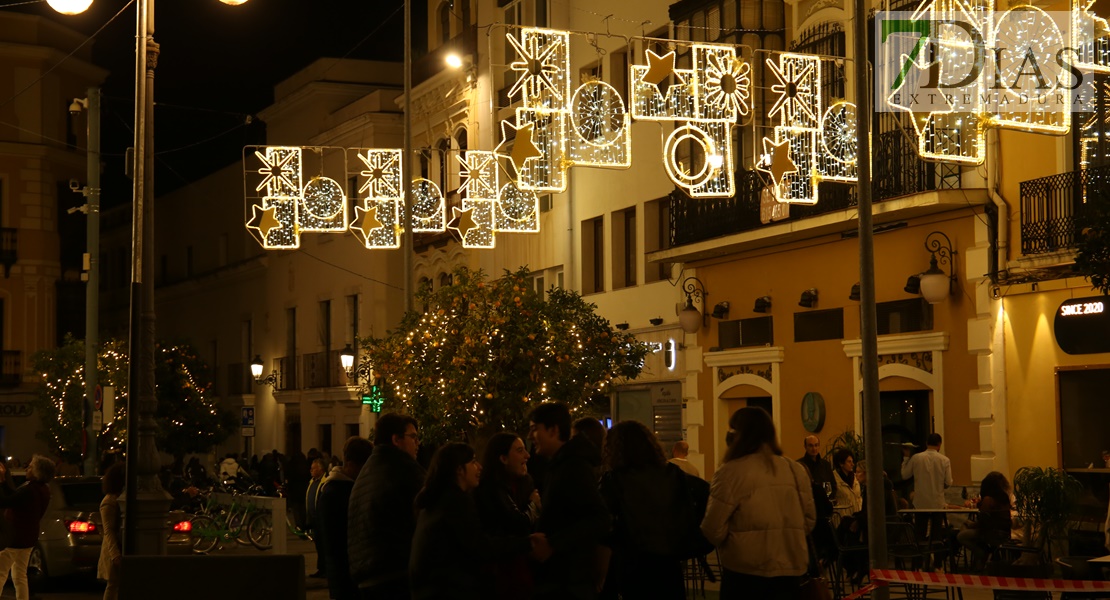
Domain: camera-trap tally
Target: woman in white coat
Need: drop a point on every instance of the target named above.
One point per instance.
(108, 568)
(760, 511)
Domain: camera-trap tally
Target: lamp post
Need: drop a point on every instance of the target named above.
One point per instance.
(146, 501)
(92, 289)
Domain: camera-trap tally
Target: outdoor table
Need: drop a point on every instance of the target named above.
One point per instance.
(931, 531)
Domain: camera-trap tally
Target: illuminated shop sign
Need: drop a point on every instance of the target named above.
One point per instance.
(1082, 325)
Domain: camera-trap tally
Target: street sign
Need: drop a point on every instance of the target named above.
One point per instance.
(248, 416)
(248, 432)
(98, 398)
(98, 419)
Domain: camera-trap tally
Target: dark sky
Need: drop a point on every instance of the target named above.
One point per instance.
(218, 64)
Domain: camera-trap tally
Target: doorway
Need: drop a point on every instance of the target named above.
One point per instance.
(906, 417)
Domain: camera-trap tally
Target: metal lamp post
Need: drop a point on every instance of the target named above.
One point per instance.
(146, 502)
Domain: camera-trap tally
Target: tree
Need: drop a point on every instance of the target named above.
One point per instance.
(1092, 259)
(483, 353)
(189, 418)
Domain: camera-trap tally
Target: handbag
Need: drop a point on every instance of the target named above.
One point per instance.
(813, 586)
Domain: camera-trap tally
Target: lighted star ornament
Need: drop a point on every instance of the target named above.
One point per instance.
(780, 164)
(462, 221)
(523, 147)
(263, 222)
(659, 69)
(365, 223)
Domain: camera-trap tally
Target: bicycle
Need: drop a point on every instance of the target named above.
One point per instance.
(236, 523)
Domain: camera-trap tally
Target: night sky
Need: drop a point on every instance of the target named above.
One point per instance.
(218, 64)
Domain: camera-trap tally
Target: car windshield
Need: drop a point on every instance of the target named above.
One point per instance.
(82, 493)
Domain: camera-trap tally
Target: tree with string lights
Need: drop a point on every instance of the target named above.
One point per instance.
(482, 353)
(1092, 257)
(189, 417)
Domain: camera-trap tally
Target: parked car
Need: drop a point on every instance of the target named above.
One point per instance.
(69, 543)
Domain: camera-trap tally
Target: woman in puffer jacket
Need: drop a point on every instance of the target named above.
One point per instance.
(760, 510)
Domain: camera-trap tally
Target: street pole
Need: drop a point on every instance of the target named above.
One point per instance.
(872, 419)
(147, 502)
(406, 161)
(92, 289)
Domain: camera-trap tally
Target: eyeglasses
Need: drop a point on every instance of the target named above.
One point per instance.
(415, 437)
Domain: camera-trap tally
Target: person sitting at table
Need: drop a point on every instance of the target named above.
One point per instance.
(992, 524)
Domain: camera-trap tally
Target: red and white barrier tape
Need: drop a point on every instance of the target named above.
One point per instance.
(985, 581)
(863, 591)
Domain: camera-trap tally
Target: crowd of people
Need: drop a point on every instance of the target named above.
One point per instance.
(587, 513)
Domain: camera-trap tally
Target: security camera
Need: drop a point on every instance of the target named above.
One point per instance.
(77, 105)
(75, 185)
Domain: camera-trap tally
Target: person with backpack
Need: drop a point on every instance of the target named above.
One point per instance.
(649, 501)
(760, 511)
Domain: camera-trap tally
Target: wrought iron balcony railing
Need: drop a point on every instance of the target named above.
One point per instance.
(322, 369)
(1053, 207)
(287, 373)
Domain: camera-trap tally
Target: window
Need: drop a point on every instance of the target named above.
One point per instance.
(518, 12)
(323, 324)
(325, 440)
(593, 256)
(291, 332)
(618, 71)
(745, 333)
(543, 281)
(624, 248)
(657, 236)
(904, 316)
(816, 325)
(352, 321)
(444, 23)
(445, 279)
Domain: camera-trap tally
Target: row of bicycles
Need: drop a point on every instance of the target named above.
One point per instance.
(216, 524)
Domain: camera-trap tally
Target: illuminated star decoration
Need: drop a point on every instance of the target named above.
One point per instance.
(279, 169)
(382, 174)
(537, 63)
(781, 163)
(912, 89)
(523, 147)
(263, 221)
(462, 221)
(659, 69)
(365, 222)
(795, 90)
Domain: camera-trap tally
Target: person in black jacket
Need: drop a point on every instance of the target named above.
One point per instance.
(644, 494)
(380, 515)
(331, 507)
(508, 504)
(574, 517)
(26, 506)
(449, 547)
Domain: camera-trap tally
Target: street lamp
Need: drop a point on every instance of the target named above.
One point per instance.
(256, 372)
(355, 373)
(146, 501)
(690, 317)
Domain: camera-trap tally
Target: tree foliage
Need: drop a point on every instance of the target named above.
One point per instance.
(482, 353)
(1092, 259)
(189, 417)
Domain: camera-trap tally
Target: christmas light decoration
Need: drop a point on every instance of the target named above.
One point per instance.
(600, 126)
(837, 157)
(1027, 41)
(377, 221)
(1090, 37)
(518, 210)
(798, 88)
(429, 208)
(281, 172)
(324, 206)
(480, 182)
(381, 172)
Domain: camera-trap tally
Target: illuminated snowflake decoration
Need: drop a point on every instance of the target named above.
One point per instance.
(478, 174)
(517, 210)
(597, 113)
(728, 84)
(382, 173)
(281, 171)
(838, 132)
(798, 89)
(541, 63)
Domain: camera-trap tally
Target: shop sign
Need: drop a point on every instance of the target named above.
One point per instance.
(1082, 325)
(16, 409)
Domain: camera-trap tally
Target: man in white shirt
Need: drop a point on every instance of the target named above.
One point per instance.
(931, 472)
(680, 451)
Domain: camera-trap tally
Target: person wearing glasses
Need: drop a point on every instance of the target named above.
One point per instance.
(382, 520)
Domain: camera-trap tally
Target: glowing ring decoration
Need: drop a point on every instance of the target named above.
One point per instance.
(324, 198)
(518, 205)
(670, 161)
(597, 108)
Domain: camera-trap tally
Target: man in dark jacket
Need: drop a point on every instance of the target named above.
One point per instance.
(574, 516)
(26, 506)
(819, 469)
(381, 516)
(332, 518)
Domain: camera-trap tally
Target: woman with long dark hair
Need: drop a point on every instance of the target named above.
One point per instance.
(992, 524)
(111, 554)
(449, 547)
(760, 510)
(849, 496)
(643, 492)
(508, 505)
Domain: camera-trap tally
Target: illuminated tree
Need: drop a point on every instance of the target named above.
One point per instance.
(189, 417)
(483, 353)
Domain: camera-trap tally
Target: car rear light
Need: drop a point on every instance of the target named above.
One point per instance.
(81, 527)
(183, 526)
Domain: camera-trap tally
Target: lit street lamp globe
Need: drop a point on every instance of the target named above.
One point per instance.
(69, 7)
(234, 2)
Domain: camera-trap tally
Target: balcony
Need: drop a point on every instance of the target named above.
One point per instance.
(321, 369)
(11, 373)
(9, 242)
(1053, 207)
(286, 373)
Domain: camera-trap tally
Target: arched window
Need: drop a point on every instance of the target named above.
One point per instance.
(445, 279)
(445, 22)
(443, 161)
